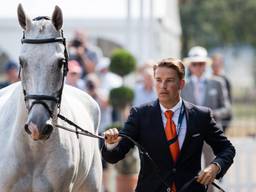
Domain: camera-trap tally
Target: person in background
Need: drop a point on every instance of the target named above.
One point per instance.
(172, 131)
(74, 75)
(108, 80)
(203, 91)
(93, 88)
(11, 72)
(81, 50)
(148, 64)
(218, 71)
(144, 90)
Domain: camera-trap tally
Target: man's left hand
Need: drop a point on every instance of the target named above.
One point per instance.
(207, 175)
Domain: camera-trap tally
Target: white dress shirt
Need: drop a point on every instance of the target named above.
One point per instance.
(176, 113)
(199, 91)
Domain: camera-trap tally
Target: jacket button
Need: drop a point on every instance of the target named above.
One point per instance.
(174, 170)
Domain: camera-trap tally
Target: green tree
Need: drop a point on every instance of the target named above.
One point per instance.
(213, 23)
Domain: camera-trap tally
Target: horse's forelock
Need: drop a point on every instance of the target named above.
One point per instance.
(42, 29)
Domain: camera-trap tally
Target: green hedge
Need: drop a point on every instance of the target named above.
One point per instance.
(121, 96)
(122, 62)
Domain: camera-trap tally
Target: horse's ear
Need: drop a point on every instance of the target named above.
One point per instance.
(24, 20)
(57, 18)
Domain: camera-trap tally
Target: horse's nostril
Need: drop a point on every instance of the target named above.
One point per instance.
(27, 129)
(47, 130)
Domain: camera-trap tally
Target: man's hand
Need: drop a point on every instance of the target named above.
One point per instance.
(112, 136)
(208, 175)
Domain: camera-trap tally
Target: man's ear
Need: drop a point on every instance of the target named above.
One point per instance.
(181, 84)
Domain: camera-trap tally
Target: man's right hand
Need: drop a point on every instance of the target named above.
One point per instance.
(112, 136)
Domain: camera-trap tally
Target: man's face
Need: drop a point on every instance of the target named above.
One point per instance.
(217, 65)
(168, 86)
(12, 75)
(197, 68)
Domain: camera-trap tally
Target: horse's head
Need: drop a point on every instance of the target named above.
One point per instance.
(43, 66)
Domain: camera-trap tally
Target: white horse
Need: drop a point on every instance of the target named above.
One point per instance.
(44, 158)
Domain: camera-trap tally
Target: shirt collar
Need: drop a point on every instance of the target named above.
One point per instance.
(173, 109)
(195, 79)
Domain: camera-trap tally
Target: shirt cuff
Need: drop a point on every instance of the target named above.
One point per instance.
(110, 147)
(218, 165)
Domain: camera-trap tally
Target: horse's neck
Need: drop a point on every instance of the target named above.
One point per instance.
(16, 106)
(13, 115)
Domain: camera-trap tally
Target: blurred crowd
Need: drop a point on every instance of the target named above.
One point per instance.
(11, 71)
(89, 71)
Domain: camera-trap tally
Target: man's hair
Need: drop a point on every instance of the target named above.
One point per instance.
(172, 63)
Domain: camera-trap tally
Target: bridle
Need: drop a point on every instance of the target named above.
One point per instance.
(40, 99)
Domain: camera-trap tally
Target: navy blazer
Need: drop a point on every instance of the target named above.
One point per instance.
(145, 125)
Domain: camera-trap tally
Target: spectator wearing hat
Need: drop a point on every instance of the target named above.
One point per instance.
(204, 91)
(11, 72)
(74, 75)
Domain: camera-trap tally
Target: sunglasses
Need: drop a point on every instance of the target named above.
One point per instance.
(194, 64)
(74, 73)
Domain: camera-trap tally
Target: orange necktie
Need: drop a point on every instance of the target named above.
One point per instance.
(171, 134)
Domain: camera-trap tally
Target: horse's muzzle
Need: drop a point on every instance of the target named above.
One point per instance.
(39, 123)
(33, 130)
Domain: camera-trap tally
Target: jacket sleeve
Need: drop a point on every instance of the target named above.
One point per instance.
(224, 108)
(222, 147)
(130, 129)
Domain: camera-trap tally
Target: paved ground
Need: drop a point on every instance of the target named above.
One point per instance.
(242, 175)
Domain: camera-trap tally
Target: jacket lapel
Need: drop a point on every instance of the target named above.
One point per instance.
(160, 132)
(206, 84)
(189, 121)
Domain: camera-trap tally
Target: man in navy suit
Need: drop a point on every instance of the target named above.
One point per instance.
(193, 125)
